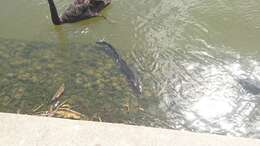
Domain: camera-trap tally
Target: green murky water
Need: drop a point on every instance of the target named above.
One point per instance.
(198, 62)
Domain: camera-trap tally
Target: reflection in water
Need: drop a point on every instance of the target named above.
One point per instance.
(197, 59)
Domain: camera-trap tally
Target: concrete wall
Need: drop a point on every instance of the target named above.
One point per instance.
(24, 130)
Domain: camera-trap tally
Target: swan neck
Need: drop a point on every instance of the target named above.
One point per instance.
(54, 13)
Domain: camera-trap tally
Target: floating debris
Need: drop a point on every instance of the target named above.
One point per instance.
(59, 93)
(60, 109)
(37, 108)
(67, 113)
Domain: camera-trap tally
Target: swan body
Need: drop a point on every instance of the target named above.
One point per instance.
(79, 10)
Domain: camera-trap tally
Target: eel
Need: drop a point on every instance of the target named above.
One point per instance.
(133, 81)
(250, 85)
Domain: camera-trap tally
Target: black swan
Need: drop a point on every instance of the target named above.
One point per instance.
(79, 10)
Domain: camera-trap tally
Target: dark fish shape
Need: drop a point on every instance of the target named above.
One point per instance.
(79, 10)
(250, 85)
(131, 77)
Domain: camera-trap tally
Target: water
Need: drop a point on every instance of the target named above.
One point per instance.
(198, 62)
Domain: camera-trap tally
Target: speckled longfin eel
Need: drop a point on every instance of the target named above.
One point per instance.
(131, 77)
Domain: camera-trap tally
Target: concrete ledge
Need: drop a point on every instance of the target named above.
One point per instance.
(24, 130)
